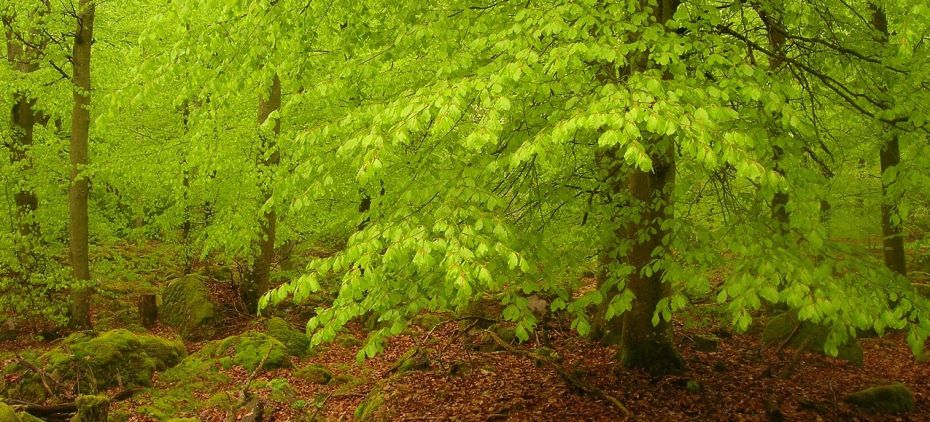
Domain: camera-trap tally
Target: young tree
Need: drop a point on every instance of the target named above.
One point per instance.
(269, 105)
(78, 191)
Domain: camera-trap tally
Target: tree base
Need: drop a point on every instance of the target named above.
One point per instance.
(659, 358)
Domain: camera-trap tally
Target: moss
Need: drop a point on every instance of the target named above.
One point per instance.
(248, 350)
(7, 414)
(428, 321)
(413, 360)
(316, 374)
(281, 391)
(782, 326)
(347, 340)
(26, 417)
(485, 343)
(183, 420)
(369, 406)
(194, 374)
(114, 358)
(892, 398)
(296, 342)
(91, 408)
(923, 289)
(187, 307)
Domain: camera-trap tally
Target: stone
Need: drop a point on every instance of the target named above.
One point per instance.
(187, 308)
(317, 374)
(115, 358)
(248, 350)
(705, 343)
(780, 327)
(7, 414)
(413, 360)
(369, 406)
(891, 398)
(91, 409)
(485, 343)
(295, 342)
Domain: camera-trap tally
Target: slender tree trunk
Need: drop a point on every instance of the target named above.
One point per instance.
(890, 157)
(24, 57)
(187, 225)
(776, 38)
(260, 278)
(643, 345)
(78, 191)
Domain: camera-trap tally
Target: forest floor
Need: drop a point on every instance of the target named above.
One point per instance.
(737, 379)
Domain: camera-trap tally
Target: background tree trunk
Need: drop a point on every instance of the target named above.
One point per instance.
(890, 157)
(78, 191)
(260, 277)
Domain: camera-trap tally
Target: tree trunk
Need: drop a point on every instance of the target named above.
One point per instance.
(260, 278)
(148, 310)
(24, 57)
(643, 345)
(890, 156)
(78, 191)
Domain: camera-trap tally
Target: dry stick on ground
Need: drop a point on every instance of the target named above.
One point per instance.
(43, 377)
(566, 375)
(69, 408)
(244, 394)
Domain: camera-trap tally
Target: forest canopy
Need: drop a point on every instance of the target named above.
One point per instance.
(616, 163)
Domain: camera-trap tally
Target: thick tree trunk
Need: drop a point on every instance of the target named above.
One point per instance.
(643, 345)
(78, 191)
(260, 278)
(890, 157)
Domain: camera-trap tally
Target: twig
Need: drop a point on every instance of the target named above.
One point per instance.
(43, 377)
(571, 378)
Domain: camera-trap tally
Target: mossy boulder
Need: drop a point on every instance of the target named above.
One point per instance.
(114, 358)
(347, 340)
(187, 308)
(782, 327)
(7, 414)
(295, 342)
(317, 374)
(248, 350)
(484, 342)
(26, 417)
(369, 406)
(413, 360)
(892, 398)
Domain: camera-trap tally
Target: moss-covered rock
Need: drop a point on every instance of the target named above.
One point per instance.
(281, 391)
(347, 340)
(484, 342)
(114, 358)
(7, 414)
(369, 406)
(26, 417)
(187, 308)
(892, 398)
(248, 350)
(317, 374)
(413, 360)
(295, 342)
(428, 321)
(782, 327)
(91, 408)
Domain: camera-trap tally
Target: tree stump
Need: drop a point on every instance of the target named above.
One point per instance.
(148, 310)
(92, 408)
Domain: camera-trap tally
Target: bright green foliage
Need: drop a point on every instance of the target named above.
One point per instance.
(480, 135)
